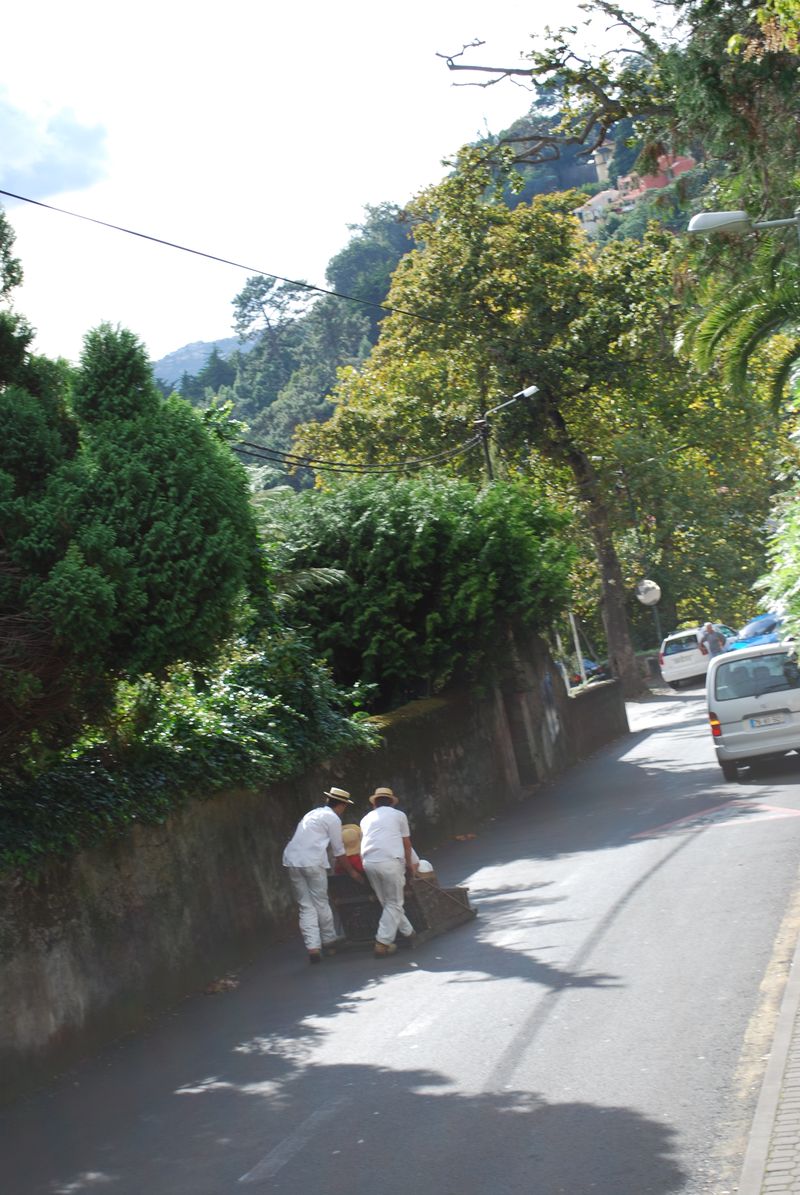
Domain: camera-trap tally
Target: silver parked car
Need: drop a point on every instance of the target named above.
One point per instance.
(754, 704)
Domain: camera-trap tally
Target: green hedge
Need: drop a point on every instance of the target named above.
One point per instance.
(436, 571)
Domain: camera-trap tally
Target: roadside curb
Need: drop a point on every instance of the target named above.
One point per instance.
(774, 1139)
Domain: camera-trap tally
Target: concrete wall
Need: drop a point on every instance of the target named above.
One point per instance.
(101, 941)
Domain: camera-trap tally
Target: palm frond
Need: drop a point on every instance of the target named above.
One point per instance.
(735, 327)
(762, 321)
(308, 580)
(783, 372)
(718, 322)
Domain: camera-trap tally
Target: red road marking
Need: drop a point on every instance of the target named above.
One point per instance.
(738, 811)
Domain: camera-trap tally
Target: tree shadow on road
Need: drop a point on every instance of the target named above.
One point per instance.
(175, 1111)
(272, 1122)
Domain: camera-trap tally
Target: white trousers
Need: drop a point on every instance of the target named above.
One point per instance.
(310, 887)
(388, 880)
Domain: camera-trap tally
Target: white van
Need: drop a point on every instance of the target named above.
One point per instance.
(754, 704)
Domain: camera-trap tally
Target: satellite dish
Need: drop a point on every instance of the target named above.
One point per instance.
(648, 592)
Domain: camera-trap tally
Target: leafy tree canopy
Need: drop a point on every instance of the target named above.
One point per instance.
(218, 372)
(620, 423)
(10, 268)
(365, 266)
(300, 339)
(781, 585)
(504, 298)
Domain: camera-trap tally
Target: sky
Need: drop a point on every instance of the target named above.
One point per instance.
(249, 130)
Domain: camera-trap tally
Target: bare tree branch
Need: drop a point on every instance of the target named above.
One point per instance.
(494, 70)
(627, 19)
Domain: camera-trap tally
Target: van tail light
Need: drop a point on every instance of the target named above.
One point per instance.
(716, 729)
(661, 659)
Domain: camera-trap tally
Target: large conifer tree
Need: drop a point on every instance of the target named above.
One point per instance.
(128, 538)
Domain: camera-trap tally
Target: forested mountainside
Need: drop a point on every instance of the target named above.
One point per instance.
(191, 359)
(280, 370)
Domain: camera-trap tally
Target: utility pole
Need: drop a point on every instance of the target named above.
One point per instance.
(622, 486)
(482, 427)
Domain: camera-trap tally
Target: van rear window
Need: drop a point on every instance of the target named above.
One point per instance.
(775, 673)
(677, 645)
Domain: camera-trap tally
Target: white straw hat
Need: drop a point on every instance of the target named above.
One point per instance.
(383, 792)
(339, 794)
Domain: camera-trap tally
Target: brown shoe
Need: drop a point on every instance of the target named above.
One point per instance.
(315, 956)
(334, 945)
(382, 949)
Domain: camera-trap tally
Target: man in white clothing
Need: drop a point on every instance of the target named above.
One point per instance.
(386, 853)
(306, 860)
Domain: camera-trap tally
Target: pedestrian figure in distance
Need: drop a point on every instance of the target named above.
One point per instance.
(387, 856)
(711, 641)
(306, 860)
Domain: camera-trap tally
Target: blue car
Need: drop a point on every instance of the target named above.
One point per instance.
(765, 628)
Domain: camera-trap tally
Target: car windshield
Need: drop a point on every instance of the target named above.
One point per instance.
(774, 673)
(759, 626)
(672, 646)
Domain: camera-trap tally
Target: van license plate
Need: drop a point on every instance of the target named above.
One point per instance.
(767, 720)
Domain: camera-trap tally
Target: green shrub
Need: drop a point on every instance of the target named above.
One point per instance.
(436, 572)
(265, 713)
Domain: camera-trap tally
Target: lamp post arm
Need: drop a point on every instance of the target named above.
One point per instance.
(483, 427)
(795, 219)
(492, 410)
(781, 223)
(528, 392)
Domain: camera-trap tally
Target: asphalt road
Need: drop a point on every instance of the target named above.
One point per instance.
(600, 1028)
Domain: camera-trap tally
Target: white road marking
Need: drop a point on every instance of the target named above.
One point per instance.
(277, 1158)
(416, 1026)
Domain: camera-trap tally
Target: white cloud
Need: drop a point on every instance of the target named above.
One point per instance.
(47, 156)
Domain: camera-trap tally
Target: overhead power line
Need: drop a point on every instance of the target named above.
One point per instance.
(290, 460)
(144, 236)
(422, 460)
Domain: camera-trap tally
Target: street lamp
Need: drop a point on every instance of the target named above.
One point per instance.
(528, 392)
(482, 424)
(649, 594)
(738, 222)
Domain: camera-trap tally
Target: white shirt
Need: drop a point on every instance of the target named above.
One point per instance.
(308, 846)
(382, 834)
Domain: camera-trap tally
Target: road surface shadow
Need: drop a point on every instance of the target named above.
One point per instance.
(784, 770)
(271, 1121)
